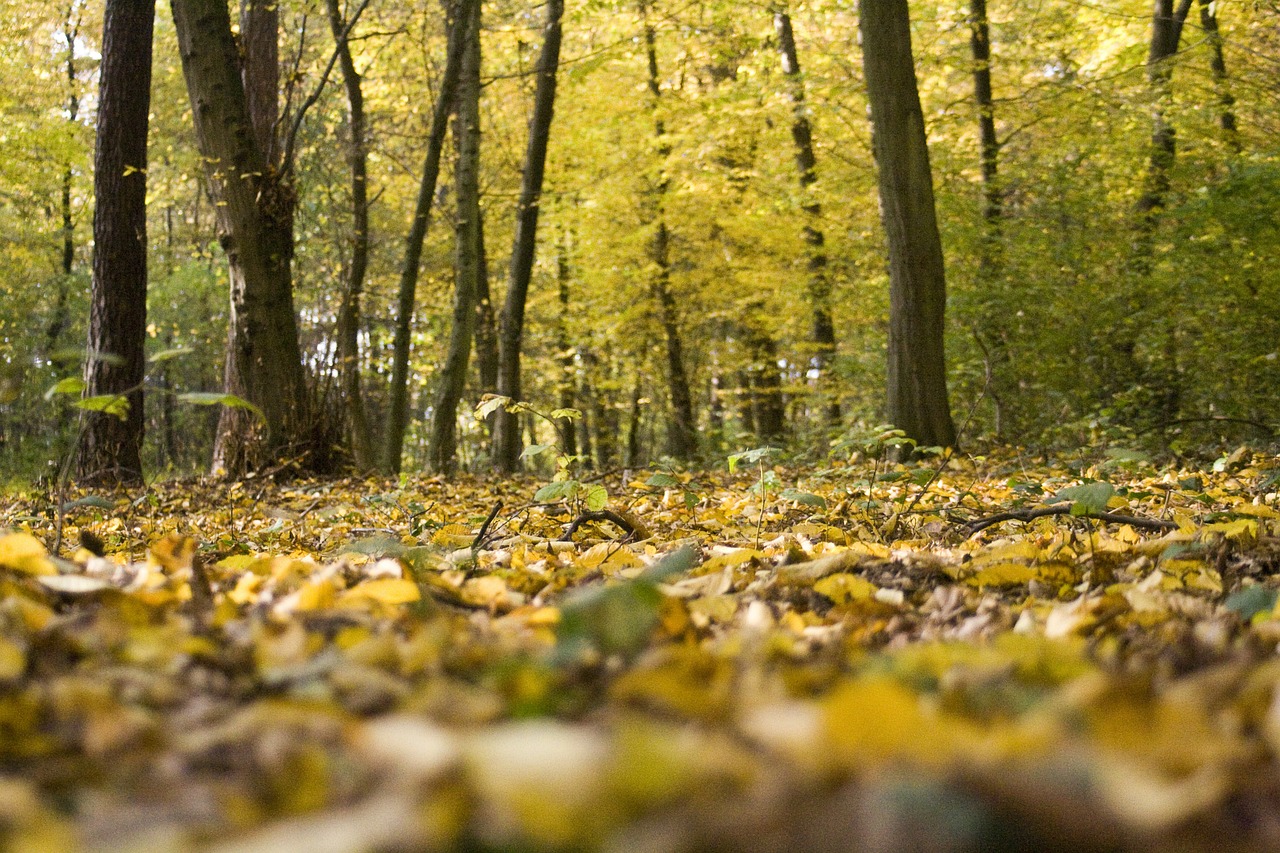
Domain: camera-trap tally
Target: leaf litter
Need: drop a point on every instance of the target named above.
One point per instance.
(769, 659)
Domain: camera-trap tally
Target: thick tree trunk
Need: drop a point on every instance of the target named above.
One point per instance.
(819, 289)
(506, 440)
(398, 408)
(110, 447)
(917, 377)
(254, 207)
(682, 437)
(348, 331)
(466, 134)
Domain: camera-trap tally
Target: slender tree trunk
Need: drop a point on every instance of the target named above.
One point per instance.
(254, 205)
(506, 440)
(770, 415)
(567, 380)
(398, 406)
(486, 328)
(348, 330)
(110, 447)
(600, 395)
(989, 145)
(466, 134)
(682, 437)
(917, 377)
(59, 319)
(819, 290)
(1218, 64)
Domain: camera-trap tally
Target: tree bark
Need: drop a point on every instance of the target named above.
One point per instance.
(348, 331)
(254, 208)
(506, 441)
(988, 144)
(398, 408)
(466, 134)
(110, 447)
(59, 319)
(682, 437)
(567, 380)
(917, 378)
(819, 290)
(1218, 64)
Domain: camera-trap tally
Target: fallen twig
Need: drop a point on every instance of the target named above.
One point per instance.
(600, 515)
(1065, 509)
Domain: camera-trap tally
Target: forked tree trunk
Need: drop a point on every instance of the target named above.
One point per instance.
(917, 377)
(466, 134)
(254, 207)
(348, 331)
(506, 440)
(398, 408)
(110, 447)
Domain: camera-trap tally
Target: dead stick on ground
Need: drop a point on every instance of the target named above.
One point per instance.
(1041, 512)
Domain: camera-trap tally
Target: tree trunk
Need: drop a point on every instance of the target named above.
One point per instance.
(486, 328)
(466, 134)
(110, 447)
(348, 331)
(989, 145)
(917, 378)
(567, 380)
(254, 207)
(398, 406)
(682, 439)
(506, 440)
(769, 413)
(59, 318)
(819, 290)
(1218, 64)
(1166, 34)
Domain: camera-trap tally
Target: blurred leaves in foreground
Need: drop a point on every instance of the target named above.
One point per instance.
(837, 662)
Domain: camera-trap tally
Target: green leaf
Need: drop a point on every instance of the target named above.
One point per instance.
(805, 498)
(71, 385)
(570, 414)
(662, 481)
(489, 404)
(595, 498)
(556, 491)
(94, 501)
(109, 404)
(169, 354)
(752, 456)
(536, 449)
(1251, 601)
(1086, 498)
(213, 398)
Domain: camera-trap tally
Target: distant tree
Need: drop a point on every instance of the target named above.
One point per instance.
(398, 407)
(348, 327)
(506, 440)
(110, 446)
(443, 443)
(917, 377)
(819, 285)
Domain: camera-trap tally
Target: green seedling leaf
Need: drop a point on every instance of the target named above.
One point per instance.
(805, 498)
(595, 498)
(90, 501)
(617, 618)
(556, 491)
(213, 398)
(489, 404)
(109, 404)
(1086, 498)
(71, 385)
(752, 456)
(535, 450)
(662, 481)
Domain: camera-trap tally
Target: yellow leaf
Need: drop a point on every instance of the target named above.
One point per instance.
(24, 553)
(844, 587)
(173, 552)
(384, 590)
(1002, 574)
(13, 660)
(453, 536)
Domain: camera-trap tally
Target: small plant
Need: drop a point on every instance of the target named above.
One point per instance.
(564, 484)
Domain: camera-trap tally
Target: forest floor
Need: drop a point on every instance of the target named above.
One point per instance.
(854, 657)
